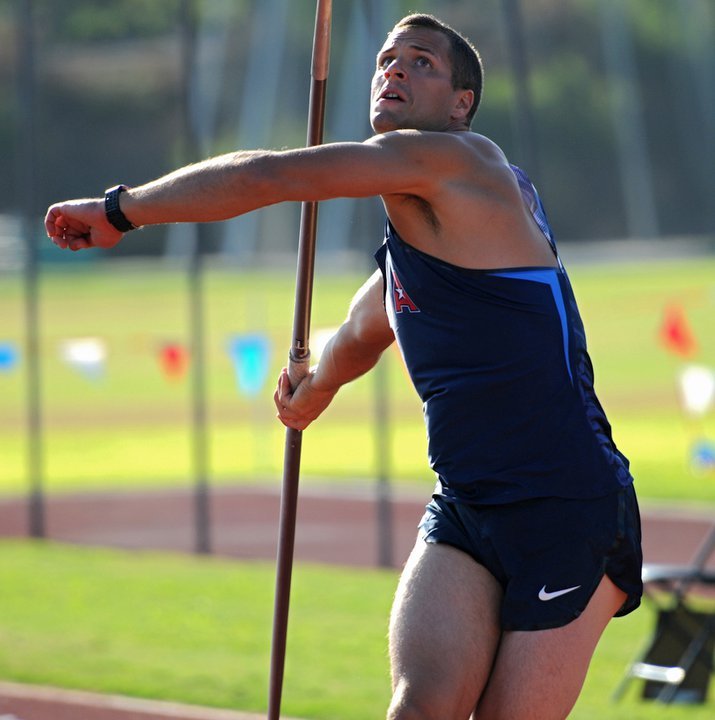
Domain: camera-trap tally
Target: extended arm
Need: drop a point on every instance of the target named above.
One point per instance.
(351, 352)
(396, 163)
(233, 184)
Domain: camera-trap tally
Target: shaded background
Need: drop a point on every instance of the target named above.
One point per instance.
(609, 105)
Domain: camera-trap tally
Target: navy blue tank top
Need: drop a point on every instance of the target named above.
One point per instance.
(499, 359)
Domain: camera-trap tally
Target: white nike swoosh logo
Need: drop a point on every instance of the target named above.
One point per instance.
(546, 596)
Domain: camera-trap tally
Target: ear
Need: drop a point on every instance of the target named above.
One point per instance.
(463, 104)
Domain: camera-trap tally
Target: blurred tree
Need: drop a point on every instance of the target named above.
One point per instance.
(109, 94)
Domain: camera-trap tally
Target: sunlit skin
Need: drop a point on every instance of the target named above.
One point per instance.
(412, 85)
(422, 152)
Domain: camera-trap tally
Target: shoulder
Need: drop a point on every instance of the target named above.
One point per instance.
(464, 144)
(463, 154)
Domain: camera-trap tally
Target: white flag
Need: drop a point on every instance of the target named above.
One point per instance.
(86, 355)
(697, 388)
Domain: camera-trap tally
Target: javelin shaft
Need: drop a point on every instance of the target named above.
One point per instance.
(300, 352)
(298, 364)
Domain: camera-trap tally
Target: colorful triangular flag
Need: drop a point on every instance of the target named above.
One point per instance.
(9, 356)
(676, 334)
(174, 360)
(703, 456)
(697, 388)
(250, 355)
(86, 355)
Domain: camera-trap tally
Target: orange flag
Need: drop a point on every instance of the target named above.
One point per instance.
(676, 334)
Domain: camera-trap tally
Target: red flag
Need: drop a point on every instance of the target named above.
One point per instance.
(676, 334)
(174, 360)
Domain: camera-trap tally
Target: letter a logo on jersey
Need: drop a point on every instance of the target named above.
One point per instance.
(400, 298)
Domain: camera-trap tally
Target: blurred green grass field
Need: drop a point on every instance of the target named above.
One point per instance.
(132, 427)
(196, 630)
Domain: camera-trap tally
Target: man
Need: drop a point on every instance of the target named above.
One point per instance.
(531, 542)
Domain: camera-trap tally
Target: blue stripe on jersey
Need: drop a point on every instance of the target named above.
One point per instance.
(550, 278)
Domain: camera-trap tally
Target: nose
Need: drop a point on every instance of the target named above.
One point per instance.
(394, 68)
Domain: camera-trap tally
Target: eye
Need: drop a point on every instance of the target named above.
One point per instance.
(384, 61)
(423, 61)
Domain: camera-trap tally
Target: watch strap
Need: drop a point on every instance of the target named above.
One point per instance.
(114, 213)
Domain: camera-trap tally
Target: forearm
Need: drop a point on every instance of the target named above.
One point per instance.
(215, 189)
(350, 353)
(345, 358)
(239, 182)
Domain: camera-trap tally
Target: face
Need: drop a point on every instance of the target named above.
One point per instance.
(412, 85)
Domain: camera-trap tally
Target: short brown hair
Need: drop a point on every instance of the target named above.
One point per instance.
(467, 71)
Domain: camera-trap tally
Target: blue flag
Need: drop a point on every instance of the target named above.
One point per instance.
(251, 355)
(9, 356)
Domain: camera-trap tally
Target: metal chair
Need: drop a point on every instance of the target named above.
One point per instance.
(677, 661)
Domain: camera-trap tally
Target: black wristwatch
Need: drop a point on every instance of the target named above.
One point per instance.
(113, 212)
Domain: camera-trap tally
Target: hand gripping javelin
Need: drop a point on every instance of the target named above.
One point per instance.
(298, 362)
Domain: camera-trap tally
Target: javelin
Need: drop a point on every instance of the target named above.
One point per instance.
(298, 363)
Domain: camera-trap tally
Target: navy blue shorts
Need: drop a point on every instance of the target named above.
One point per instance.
(548, 554)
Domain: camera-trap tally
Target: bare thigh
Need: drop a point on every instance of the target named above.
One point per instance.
(538, 675)
(444, 633)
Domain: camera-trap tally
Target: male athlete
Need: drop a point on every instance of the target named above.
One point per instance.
(531, 543)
